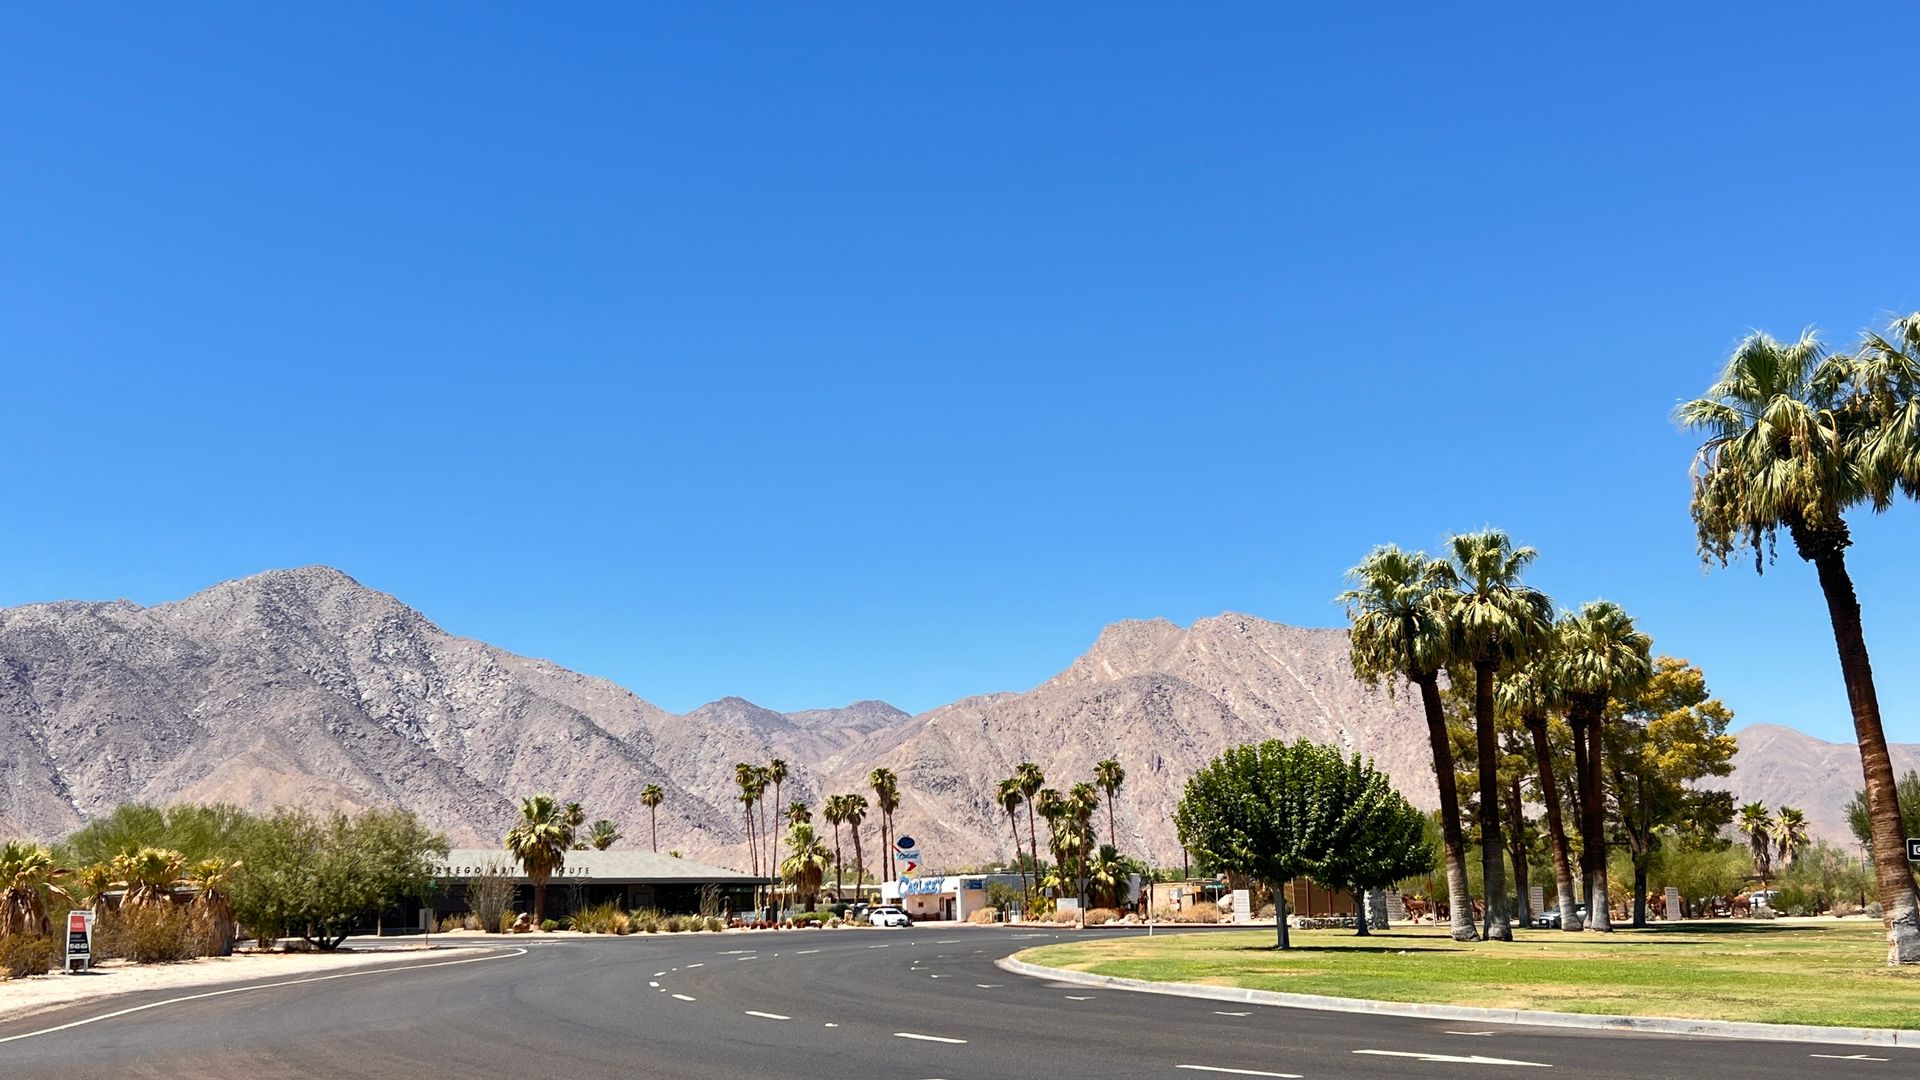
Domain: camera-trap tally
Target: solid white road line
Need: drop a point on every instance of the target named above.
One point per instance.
(263, 986)
(681, 997)
(657, 974)
(926, 1038)
(989, 986)
(691, 966)
(1469, 1032)
(768, 1016)
(806, 952)
(1847, 1057)
(1475, 1059)
(1237, 1072)
(1071, 997)
(1217, 1012)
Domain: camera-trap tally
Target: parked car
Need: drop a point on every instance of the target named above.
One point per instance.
(888, 915)
(1550, 918)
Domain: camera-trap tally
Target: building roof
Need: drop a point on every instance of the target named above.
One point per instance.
(626, 865)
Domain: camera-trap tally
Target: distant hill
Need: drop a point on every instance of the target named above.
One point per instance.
(305, 686)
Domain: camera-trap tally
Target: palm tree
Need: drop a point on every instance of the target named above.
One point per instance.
(149, 875)
(1529, 693)
(1599, 656)
(1398, 611)
(1795, 438)
(854, 813)
(602, 834)
(1110, 775)
(28, 884)
(1083, 800)
(886, 799)
(651, 797)
(1106, 877)
(806, 863)
(1495, 622)
(746, 776)
(1031, 781)
(1009, 797)
(1789, 835)
(540, 840)
(1052, 806)
(576, 816)
(798, 813)
(770, 836)
(835, 811)
(1757, 825)
(212, 907)
(93, 883)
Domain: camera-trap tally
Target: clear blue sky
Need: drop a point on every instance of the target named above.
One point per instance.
(813, 354)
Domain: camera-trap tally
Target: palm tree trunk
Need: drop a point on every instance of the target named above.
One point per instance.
(859, 861)
(1113, 830)
(653, 815)
(1026, 898)
(1593, 823)
(1517, 851)
(839, 875)
(1492, 872)
(539, 901)
(1899, 902)
(1459, 900)
(1556, 828)
(1033, 835)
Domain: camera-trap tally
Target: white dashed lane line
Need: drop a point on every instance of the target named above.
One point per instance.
(768, 1016)
(927, 1038)
(681, 997)
(1237, 1072)
(1217, 1012)
(1846, 1057)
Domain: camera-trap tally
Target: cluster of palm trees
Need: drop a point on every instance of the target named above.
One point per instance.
(1471, 619)
(543, 835)
(1797, 436)
(32, 883)
(1775, 839)
(1079, 861)
(849, 809)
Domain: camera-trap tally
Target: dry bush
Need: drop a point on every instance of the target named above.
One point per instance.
(490, 896)
(1060, 917)
(603, 919)
(1101, 916)
(22, 955)
(1202, 912)
(986, 916)
(674, 924)
(644, 921)
(149, 934)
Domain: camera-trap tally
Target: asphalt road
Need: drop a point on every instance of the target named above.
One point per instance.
(913, 1004)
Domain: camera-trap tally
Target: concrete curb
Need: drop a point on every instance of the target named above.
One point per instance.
(1649, 1025)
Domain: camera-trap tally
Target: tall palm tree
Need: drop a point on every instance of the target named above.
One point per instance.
(602, 834)
(1082, 802)
(806, 863)
(1794, 439)
(856, 812)
(776, 774)
(1009, 797)
(651, 797)
(1398, 611)
(1529, 693)
(1598, 656)
(1110, 775)
(835, 811)
(576, 816)
(1789, 835)
(886, 799)
(28, 884)
(540, 840)
(1756, 824)
(745, 776)
(1052, 806)
(798, 813)
(1031, 781)
(1494, 622)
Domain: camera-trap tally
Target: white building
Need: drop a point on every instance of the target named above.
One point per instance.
(953, 897)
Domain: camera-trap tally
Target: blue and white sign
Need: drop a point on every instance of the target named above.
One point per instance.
(905, 843)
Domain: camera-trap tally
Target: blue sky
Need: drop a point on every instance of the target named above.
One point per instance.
(814, 355)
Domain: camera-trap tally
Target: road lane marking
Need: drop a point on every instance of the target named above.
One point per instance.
(681, 997)
(948, 941)
(692, 966)
(1237, 1072)
(926, 1038)
(878, 946)
(832, 1025)
(1469, 1032)
(768, 1016)
(1217, 1012)
(657, 974)
(1071, 997)
(264, 986)
(806, 952)
(989, 986)
(1847, 1057)
(653, 982)
(1474, 1059)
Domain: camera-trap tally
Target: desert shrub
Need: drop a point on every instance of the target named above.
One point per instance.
(550, 925)
(1201, 912)
(986, 916)
(1101, 916)
(674, 924)
(644, 921)
(490, 894)
(506, 922)
(1062, 917)
(22, 955)
(810, 918)
(1845, 907)
(148, 934)
(714, 923)
(603, 919)
(1265, 912)
(835, 923)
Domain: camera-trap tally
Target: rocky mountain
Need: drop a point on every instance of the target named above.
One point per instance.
(1782, 767)
(303, 686)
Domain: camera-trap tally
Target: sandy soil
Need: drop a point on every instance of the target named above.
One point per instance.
(21, 996)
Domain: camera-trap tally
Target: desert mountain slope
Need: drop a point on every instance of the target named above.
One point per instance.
(1782, 767)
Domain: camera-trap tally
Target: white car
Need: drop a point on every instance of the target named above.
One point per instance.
(888, 916)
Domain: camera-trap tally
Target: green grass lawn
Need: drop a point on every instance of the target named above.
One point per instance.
(1781, 973)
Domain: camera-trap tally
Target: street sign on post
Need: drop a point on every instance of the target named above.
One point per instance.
(80, 939)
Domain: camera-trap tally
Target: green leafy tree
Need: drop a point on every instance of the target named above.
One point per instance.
(1794, 439)
(1662, 738)
(1397, 608)
(1860, 822)
(1495, 622)
(540, 840)
(1375, 837)
(1599, 656)
(1264, 811)
(651, 797)
(321, 875)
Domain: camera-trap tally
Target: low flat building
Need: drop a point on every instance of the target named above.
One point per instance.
(630, 877)
(952, 897)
